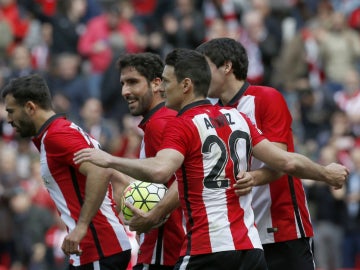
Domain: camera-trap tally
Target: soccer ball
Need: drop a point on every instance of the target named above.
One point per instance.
(142, 195)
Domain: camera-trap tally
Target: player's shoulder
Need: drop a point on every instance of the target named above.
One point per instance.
(264, 91)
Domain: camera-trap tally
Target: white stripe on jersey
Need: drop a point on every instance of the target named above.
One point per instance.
(262, 204)
(184, 262)
(142, 149)
(246, 201)
(96, 265)
(57, 195)
(247, 105)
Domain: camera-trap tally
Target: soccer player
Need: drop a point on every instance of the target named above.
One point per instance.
(211, 145)
(140, 76)
(281, 213)
(82, 194)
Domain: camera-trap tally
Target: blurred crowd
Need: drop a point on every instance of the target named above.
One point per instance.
(308, 49)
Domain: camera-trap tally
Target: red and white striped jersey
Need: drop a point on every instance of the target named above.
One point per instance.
(57, 141)
(280, 208)
(162, 245)
(216, 144)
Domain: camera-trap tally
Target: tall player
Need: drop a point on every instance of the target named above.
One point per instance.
(211, 145)
(280, 206)
(82, 194)
(140, 76)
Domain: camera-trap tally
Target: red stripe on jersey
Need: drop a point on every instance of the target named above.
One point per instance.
(160, 246)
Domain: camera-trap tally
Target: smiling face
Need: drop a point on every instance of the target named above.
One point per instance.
(172, 88)
(18, 118)
(137, 91)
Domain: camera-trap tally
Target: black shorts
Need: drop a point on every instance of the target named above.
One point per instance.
(117, 261)
(295, 255)
(152, 267)
(252, 259)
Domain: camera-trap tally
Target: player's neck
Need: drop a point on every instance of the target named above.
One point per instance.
(42, 117)
(230, 90)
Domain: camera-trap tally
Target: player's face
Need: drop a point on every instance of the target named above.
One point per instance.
(172, 88)
(18, 118)
(217, 80)
(136, 91)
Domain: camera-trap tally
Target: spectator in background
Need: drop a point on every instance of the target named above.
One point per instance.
(39, 42)
(8, 174)
(68, 85)
(7, 38)
(261, 45)
(112, 30)
(351, 247)
(339, 51)
(341, 137)
(67, 26)
(17, 20)
(130, 139)
(7, 245)
(114, 105)
(20, 61)
(348, 99)
(31, 223)
(93, 122)
(328, 214)
(218, 29)
(42, 10)
(184, 27)
(221, 9)
(34, 186)
(272, 21)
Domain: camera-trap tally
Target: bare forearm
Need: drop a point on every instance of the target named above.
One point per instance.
(265, 175)
(144, 169)
(169, 203)
(302, 167)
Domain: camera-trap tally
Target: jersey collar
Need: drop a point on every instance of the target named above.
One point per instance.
(194, 104)
(48, 122)
(151, 113)
(238, 95)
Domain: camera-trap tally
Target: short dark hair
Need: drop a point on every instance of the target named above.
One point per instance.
(29, 88)
(147, 64)
(191, 64)
(219, 50)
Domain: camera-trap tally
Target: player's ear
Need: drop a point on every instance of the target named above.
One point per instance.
(186, 83)
(227, 66)
(156, 84)
(30, 107)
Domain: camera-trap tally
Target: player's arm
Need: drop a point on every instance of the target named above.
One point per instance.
(298, 165)
(266, 175)
(246, 180)
(119, 182)
(97, 181)
(156, 169)
(142, 222)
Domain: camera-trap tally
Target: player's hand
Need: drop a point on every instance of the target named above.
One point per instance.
(95, 156)
(71, 242)
(141, 221)
(244, 183)
(336, 175)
